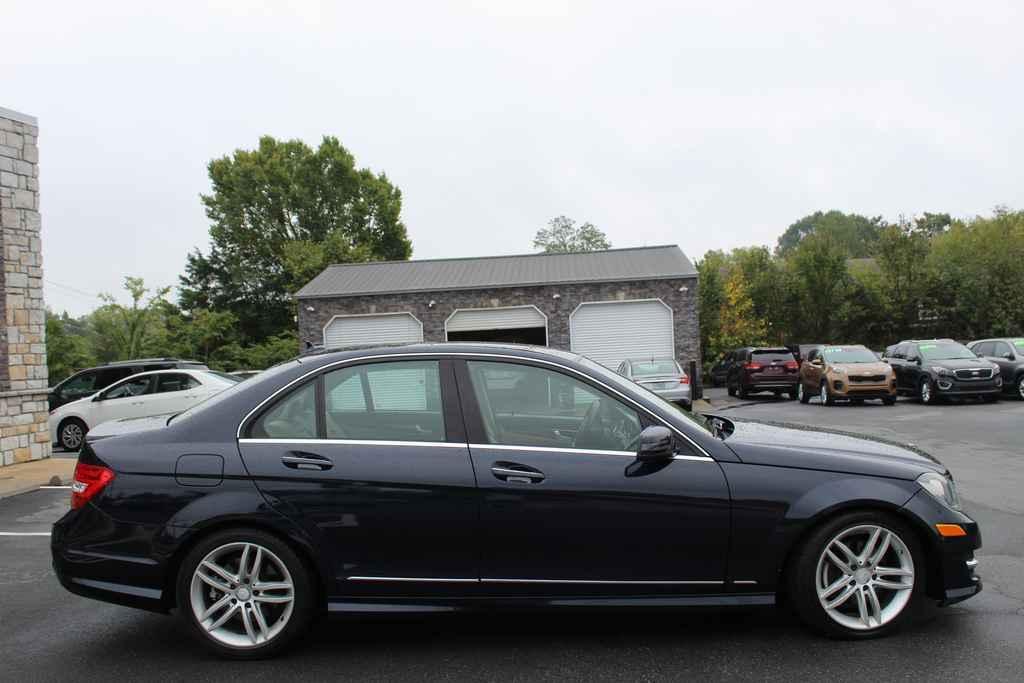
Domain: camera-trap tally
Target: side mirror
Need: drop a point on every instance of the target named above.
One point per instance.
(1008, 355)
(97, 398)
(655, 444)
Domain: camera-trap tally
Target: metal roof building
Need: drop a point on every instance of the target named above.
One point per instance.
(609, 305)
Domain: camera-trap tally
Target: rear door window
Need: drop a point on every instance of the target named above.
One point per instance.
(136, 386)
(175, 382)
(998, 349)
(293, 417)
(396, 401)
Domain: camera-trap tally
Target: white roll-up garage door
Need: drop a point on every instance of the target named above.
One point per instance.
(610, 332)
(384, 328)
(508, 318)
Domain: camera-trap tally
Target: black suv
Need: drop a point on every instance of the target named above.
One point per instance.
(87, 382)
(933, 369)
(772, 369)
(1008, 354)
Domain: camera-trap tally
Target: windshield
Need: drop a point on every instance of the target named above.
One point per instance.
(655, 367)
(625, 385)
(228, 393)
(944, 351)
(849, 354)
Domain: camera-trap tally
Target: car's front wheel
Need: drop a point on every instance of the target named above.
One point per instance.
(857, 576)
(245, 593)
(71, 433)
(802, 394)
(826, 395)
(925, 391)
(1020, 387)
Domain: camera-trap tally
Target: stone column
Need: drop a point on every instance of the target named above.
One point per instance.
(24, 433)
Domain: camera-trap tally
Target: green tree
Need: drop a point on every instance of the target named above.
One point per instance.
(819, 276)
(563, 236)
(739, 326)
(711, 273)
(853, 233)
(122, 332)
(272, 208)
(68, 347)
(902, 254)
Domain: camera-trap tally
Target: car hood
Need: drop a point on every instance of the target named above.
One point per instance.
(787, 445)
(958, 363)
(878, 368)
(128, 426)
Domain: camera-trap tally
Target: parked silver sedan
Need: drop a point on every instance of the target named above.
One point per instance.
(663, 376)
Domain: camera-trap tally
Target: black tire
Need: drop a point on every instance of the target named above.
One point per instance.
(731, 389)
(826, 394)
(304, 590)
(889, 401)
(1020, 387)
(66, 431)
(743, 391)
(801, 570)
(792, 395)
(928, 398)
(802, 394)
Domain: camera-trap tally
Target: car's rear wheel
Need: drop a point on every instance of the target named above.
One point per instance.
(731, 389)
(743, 390)
(857, 576)
(891, 401)
(244, 593)
(802, 394)
(71, 433)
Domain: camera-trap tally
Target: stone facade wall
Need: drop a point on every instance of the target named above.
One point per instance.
(24, 432)
(683, 304)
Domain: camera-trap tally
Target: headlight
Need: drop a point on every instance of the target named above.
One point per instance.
(940, 487)
(941, 372)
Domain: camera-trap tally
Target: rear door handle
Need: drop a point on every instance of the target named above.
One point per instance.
(306, 461)
(515, 473)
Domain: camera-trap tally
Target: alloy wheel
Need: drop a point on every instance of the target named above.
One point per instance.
(71, 436)
(1020, 387)
(926, 391)
(800, 391)
(824, 394)
(865, 577)
(242, 595)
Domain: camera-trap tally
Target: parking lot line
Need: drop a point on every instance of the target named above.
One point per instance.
(55, 487)
(24, 533)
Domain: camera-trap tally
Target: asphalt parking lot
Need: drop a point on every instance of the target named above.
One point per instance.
(49, 634)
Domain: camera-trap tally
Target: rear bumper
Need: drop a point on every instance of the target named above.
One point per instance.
(120, 576)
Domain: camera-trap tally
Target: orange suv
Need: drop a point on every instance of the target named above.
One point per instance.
(845, 373)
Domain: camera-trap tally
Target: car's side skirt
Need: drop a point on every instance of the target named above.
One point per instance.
(393, 606)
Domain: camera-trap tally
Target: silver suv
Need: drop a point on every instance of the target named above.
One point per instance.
(663, 376)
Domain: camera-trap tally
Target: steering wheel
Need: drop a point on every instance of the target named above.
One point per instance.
(588, 423)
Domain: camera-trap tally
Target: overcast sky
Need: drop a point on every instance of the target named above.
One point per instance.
(712, 125)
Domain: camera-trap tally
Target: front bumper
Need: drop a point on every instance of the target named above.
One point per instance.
(843, 388)
(951, 570)
(950, 386)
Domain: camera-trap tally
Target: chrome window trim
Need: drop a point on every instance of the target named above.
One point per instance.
(410, 578)
(443, 354)
(357, 442)
(454, 444)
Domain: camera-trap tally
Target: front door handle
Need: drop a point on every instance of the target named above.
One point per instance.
(517, 474)
(298, 460)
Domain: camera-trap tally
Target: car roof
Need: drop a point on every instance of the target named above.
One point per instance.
(320, 357)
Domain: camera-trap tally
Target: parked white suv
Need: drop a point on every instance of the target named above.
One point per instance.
(148, 393)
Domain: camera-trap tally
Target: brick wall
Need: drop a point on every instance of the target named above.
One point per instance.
(684, 307)
(24, 434)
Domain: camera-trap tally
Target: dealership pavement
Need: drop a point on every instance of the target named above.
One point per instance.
(48, 634)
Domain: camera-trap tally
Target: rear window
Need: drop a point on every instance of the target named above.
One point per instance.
(655, 367)
(771, 355)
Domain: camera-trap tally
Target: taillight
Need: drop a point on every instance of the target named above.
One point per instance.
(792, 365)
(89, 480)
(684, 380)
(753, 366)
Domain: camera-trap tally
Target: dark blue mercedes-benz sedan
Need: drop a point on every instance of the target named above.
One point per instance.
(441, 477)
